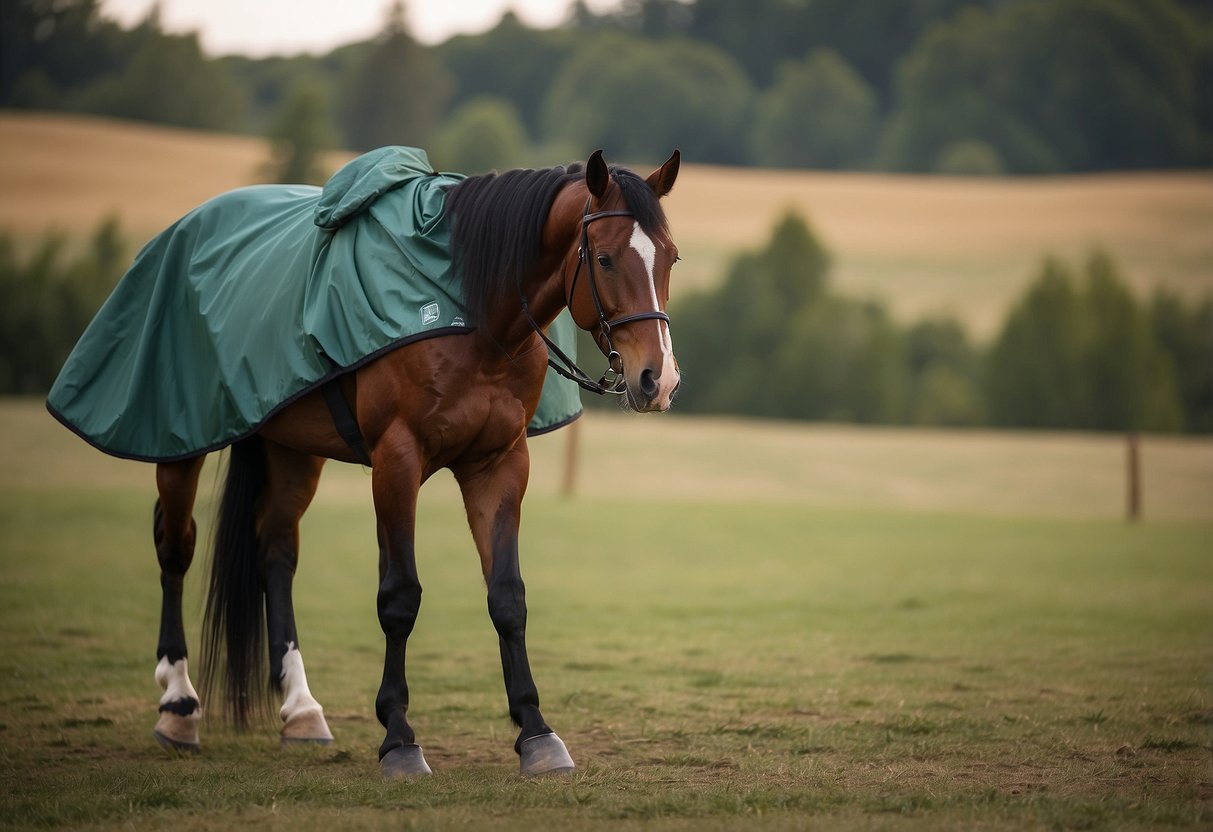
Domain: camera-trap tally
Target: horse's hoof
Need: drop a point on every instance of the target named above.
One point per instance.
(544, 754)
(404, 763)
(176, 733)
(308, 728)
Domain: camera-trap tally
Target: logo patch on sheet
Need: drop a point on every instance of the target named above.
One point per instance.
(429, 314)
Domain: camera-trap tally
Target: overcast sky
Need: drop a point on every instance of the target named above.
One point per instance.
(283, 27)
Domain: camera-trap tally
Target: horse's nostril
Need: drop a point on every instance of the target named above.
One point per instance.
(648, 384)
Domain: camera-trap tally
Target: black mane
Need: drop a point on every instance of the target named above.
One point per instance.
(498, 227)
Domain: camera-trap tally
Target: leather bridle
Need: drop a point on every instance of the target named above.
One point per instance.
(612, 380)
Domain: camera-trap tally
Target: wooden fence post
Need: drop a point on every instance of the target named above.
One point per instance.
(568, 483)
(1133, 472)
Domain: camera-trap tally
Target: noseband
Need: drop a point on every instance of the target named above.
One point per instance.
(612, 380)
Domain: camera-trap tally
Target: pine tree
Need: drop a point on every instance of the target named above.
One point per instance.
(397, 93)
(299, 135)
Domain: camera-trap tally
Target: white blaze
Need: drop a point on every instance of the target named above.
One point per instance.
(643, 245)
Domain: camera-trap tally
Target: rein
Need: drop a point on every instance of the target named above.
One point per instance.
(612, 380)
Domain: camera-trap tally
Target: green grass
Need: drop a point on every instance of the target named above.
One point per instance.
(711, 662)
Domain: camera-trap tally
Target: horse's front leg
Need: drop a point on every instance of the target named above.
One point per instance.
(492, 495)
(395, 481)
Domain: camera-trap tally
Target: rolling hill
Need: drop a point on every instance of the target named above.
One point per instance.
(923, 244)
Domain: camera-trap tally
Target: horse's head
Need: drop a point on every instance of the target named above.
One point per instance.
(620, 285)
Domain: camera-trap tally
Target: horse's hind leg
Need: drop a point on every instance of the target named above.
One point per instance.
(292, 480)
(175, 534)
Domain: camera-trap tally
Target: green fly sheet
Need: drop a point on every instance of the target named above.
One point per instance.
(261, 295)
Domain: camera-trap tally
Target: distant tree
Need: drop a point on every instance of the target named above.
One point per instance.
(510, 62)
(35, 90)
(1071, 358)
(397, 94)
(793, 350)
(942, 370)
(819, 114)
(943, 397)
(169, 81)
(939, 341)
(838, 359)
(1132, 379)
(763, 291)
(299, 135)
(269, 82)
(1035, 375)
(482, 135)
(582, 18)
(871, 35)
(1055, 85)
(746, 306)
(794, 263)
(639, 99)
(1185, 333)
(97, 272)
(949, 91)
(64, 55)
(656, 18)
(50, 50)
(49, 301)
(759, 34)
(1204, 70)
(970, 157)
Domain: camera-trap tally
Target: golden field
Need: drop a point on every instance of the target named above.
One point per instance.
(923, 244)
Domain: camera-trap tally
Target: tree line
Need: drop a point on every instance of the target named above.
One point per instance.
(51, 291)
(1077, 350)
(959, 86)
(774, 339)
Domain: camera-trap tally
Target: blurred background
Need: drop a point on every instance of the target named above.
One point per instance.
(954, 214)
(945, 320)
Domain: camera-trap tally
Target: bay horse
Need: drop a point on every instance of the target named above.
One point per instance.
(527, 244)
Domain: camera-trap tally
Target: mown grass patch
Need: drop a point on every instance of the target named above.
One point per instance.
(711, 664)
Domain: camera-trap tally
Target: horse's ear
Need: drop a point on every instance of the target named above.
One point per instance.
(662, 179)
(596, 175)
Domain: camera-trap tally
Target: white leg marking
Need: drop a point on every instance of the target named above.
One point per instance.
(297, 698)
(302, 717)
(175, 679)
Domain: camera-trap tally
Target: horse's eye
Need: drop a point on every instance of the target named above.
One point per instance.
(604, 261)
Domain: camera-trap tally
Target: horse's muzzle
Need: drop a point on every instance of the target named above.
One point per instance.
(652, 392)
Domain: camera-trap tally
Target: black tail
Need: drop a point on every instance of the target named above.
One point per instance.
(233, 634)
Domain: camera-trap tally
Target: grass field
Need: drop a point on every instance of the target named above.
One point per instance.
(811, 631)
(923, 244)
